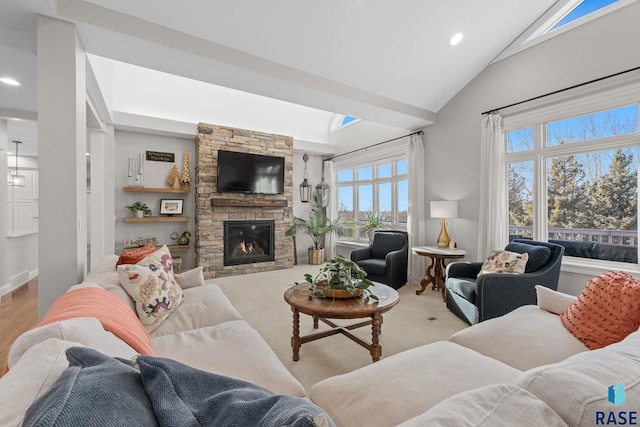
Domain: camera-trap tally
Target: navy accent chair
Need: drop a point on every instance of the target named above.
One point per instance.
(475, 299)
(385, 259)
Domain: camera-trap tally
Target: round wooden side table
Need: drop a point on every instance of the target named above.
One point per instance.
(435, 271)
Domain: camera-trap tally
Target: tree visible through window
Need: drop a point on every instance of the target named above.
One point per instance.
(591, 193)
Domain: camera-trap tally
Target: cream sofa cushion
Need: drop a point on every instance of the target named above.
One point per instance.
(105, 275)
(233, 349)
(498, 405)
(87, 331)
(201, 306)
(577, 388)
(35, 372)
(405, 385)
(533, 337)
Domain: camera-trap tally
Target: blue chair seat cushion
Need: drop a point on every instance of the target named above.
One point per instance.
(373, 266)
(466, 288)
(538, 255)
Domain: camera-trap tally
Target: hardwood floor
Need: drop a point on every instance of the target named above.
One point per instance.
(18, 314)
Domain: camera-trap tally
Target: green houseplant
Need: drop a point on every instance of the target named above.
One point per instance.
(139, 207)
(373, 221)
(340, 278)
(316, 228)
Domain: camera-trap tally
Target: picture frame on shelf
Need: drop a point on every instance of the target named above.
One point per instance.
(171, 207)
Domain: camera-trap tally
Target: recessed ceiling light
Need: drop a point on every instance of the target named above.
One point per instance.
(10, 81)
(455, 39)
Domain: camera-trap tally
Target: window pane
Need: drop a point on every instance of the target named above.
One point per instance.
(593, 203)
(401, 165)
(385, 199)
(384, 171)
(618, 121)
(520, 199)
(365, 201)
(520, 140)
(345, 201)
(345, 175)
(403, 201)
(365, 173)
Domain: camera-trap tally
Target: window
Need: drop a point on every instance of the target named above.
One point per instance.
(381, 186)
(574, 181)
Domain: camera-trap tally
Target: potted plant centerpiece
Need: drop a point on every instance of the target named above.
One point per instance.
(139, 209)
(340, 278)
(317, 227)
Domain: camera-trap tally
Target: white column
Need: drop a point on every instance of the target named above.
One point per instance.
(101, 203)
(62, 142)
(4, 204)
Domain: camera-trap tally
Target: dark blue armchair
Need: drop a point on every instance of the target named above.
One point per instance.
(385, 259)
(475, 299)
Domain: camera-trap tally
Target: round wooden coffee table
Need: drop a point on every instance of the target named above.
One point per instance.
(340, 308)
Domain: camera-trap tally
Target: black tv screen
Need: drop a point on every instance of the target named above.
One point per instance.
(250, 173)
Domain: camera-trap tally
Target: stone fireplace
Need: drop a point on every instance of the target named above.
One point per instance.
(215, 210)
(247, 242)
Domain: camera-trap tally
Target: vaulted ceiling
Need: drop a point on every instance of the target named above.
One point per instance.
(283, 66)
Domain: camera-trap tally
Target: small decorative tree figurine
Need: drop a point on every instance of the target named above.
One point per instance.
(174, 178)
(186, 177)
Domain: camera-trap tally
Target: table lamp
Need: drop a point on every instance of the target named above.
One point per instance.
(444, 209)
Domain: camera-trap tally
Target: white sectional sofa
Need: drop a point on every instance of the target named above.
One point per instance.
(205, 332)
(522, 369)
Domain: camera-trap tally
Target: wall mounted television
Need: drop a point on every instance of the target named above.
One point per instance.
(250, 173)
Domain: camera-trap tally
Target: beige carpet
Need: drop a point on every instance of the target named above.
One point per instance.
(259, 297)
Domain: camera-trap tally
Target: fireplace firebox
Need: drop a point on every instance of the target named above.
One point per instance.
(247, 242)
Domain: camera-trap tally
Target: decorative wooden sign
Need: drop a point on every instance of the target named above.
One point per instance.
(139, 242)
(158, 156)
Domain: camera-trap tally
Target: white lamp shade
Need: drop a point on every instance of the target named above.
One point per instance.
(444, 209)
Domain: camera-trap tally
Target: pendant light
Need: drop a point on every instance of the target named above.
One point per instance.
(322, 191)
(305, 187)
(16, 180)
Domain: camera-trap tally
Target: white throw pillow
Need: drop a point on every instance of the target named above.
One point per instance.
(191, 278)
(553, 301)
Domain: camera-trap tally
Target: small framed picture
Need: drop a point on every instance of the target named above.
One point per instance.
(171, 206)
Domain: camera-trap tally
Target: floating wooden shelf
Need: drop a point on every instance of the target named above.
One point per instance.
(157, 219)
(256, 203)
(155, 190)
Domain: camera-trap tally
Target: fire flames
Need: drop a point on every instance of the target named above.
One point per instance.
(247, 248)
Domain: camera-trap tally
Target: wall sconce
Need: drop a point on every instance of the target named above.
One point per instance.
(15, 179)
(444, 209)
(322, 191)
(305, 187)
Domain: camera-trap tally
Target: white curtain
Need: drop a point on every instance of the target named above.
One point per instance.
(417, 221)
(492, 226)
(332, 209)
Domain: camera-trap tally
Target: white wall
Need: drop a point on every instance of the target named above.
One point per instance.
(302, 210)
(130, 144)
(602, 47)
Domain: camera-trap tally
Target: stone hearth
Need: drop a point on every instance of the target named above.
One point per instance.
(209, 220)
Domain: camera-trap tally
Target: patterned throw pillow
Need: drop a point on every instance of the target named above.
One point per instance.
(606, 311)
(500, 261)
(132, 257)
(153, 286)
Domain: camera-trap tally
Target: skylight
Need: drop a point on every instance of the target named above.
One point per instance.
(347, 120)
(563, 16)
(584, 8)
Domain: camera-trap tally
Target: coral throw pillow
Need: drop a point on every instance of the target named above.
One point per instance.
(153, 286)
(500, 261)
(136, 255)
(607, 310)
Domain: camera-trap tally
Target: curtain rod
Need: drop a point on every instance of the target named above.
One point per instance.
(374, 145)
(495, 110)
